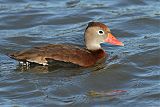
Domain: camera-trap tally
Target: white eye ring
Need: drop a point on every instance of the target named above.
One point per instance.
(100, 32)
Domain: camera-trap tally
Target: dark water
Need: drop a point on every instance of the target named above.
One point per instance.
(135, 70)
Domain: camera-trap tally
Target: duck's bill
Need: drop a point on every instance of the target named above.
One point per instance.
(113, 40)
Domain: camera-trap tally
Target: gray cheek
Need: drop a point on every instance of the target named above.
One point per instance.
(100, 39)
(104, 37)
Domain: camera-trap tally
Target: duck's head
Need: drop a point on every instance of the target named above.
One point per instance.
(97, 33)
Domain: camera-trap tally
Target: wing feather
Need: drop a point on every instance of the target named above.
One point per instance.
(59, 52)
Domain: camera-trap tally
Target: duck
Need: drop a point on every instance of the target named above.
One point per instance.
(95, 34)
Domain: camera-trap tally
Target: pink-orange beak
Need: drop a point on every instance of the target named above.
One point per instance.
(112, 40)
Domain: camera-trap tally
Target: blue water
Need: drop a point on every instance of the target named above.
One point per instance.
(134, 68)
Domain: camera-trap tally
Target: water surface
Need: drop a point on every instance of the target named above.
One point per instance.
(134, 68)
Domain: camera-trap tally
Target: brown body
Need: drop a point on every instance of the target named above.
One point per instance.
(60, 52)
(95, 34)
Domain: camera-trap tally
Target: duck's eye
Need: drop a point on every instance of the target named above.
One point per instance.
(100, 32)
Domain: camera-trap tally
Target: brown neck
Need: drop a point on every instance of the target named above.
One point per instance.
(98, 54)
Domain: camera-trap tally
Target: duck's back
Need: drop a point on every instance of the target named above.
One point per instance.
(59, 52)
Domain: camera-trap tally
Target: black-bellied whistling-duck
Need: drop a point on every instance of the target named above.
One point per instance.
(95, 34)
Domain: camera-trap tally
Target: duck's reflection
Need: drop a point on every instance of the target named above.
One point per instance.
(59, 68)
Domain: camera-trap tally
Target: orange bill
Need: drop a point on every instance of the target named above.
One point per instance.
(113, 40)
